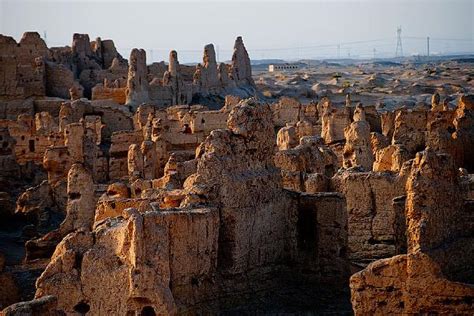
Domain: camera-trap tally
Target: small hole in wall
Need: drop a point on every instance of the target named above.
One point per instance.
(31, 145)
(148, 311)
(74, 195)
(82, 308)
(342, 252)
(467, 300)
(186, 129)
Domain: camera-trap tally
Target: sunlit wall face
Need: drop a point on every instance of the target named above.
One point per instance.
(271, 29)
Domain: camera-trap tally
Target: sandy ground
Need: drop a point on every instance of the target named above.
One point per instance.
(386, 85)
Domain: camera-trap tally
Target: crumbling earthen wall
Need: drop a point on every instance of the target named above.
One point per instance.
(303, 164)
(234, 194)
(372, 218)
(23, 69)
(428, 278)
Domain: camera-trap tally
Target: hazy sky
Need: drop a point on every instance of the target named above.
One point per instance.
(270, 29)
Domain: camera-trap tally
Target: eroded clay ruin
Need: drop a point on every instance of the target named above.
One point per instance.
(130, 188)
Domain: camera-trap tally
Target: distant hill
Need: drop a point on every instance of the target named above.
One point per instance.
(256, 62)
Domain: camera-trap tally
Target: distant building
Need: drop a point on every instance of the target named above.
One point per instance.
(283, 67)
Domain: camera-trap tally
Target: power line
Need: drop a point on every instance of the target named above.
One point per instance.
(354, 49)
(440, 39)
(320, 46)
